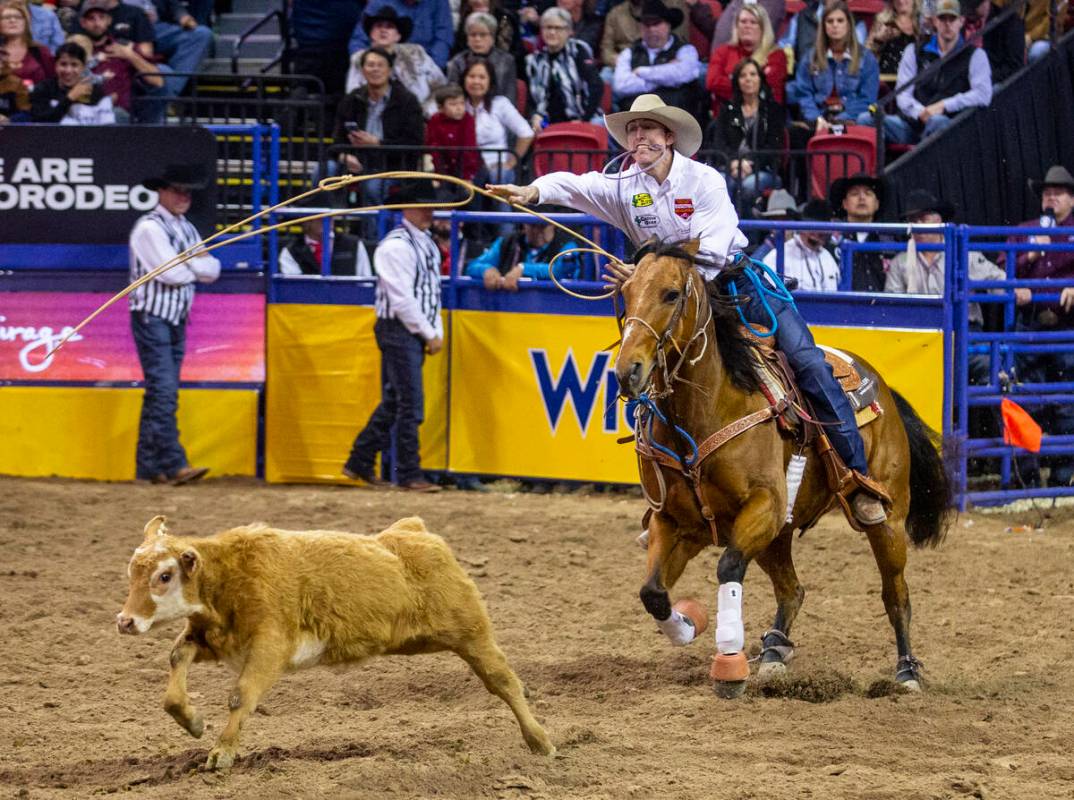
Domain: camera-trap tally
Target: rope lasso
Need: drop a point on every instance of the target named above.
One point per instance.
(777, 290)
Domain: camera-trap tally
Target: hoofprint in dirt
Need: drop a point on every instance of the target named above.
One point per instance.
(81, 713)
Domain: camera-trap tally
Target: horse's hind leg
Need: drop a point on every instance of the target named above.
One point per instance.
(668, 555)
(889, 548)
(778, 564)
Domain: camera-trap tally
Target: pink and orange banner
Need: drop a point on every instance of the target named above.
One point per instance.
(225, 339)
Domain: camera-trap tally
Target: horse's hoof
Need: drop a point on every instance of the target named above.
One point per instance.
(911, 685)
(773, 670)
(729, 690)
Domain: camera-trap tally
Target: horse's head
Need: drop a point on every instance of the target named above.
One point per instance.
(663, 301)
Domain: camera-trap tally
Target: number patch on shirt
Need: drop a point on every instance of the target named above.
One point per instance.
(684, 207)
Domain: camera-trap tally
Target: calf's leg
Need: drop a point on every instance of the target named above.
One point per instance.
(176, 700)
(263, 667)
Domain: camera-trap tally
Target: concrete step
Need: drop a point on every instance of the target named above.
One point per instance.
(256, 46)
(258, 7)
(237, 23)
(247, 66)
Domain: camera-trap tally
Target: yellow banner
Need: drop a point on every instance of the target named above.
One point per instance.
(534, 395)
(92, 432)
(323, 382)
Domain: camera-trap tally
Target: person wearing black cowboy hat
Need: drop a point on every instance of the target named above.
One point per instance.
(431, 26)
(805, 254)
(658, 62)
(159, 311)
(408, 327)
(859, 199)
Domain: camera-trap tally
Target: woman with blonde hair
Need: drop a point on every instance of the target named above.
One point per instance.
(841, 78)
(754, 39)
(894, 28)
(30, 61)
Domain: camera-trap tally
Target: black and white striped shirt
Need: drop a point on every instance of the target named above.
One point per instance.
(407, 263)
(157, 237)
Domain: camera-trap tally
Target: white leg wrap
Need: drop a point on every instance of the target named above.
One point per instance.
(678, 628)
(730, 635)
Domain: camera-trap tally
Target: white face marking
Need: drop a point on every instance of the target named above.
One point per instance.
(307, 652)
(168, 597)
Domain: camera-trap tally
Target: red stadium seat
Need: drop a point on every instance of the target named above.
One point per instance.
(606, 99)
(834, 156)
(523, 94)
(562, 147)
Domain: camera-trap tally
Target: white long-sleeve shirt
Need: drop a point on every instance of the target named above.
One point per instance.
(979, 94)
(691, 203)
(629, 80)
(407, 262)
(158, 237)
(815, 270)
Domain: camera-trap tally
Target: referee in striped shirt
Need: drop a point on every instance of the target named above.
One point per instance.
(407, 263)
(159, 310)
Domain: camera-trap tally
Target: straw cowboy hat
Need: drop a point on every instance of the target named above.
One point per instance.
(1055, 176)
(650, 106)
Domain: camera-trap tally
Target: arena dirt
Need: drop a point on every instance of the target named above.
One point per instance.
(80, 706)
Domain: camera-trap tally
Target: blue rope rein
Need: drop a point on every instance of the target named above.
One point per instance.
(647, 406)
(776, 289)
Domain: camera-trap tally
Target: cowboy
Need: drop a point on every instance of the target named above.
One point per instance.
(858, 199)
(674, 198)
(408, 327)
(805, 257)
(658, 62)
(159, 311)
(432, 26)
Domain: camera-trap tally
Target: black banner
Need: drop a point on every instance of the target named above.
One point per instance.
(65, 184)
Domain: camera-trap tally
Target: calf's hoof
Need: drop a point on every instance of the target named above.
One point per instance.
(219, 758)
(192, 723)
(729, 674)
(195, 726)
(540, 744)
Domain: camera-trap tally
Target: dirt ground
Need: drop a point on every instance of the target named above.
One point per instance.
(81, 715)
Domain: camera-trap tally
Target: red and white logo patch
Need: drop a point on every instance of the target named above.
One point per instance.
(684, 207)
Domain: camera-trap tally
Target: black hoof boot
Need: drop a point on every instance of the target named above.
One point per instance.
(908, 673)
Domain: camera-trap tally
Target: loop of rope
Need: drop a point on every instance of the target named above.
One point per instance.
(778, 290)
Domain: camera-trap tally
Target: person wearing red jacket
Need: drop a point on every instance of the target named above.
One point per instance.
(753, 38)
(452, 126)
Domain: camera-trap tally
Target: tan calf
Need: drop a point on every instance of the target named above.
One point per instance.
(268, 602)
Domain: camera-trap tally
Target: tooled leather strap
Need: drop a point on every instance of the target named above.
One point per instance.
(739, 426)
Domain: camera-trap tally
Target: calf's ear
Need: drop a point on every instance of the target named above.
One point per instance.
(190, 561)
(156, 527)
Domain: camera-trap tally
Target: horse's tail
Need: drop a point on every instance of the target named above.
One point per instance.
(932, 507)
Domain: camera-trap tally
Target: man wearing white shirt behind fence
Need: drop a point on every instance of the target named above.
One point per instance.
(159, 311)
(408, 326)
(805, 257)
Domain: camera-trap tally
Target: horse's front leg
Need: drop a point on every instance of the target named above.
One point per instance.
(668, 556)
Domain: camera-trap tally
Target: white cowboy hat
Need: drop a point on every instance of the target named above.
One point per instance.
(650, 106)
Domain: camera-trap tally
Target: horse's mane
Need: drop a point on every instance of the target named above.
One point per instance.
(734, 348)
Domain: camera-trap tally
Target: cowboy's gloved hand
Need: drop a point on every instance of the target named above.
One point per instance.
(617, 273)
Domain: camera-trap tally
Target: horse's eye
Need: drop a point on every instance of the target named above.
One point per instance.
(671, 296)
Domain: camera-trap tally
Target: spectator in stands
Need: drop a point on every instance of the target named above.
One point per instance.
(562, 81)
(753, 38)
(704, 16)
(506, 35)
(481, 37)
(658, 63)
(801, 35)
(381, 112)
(805, 255)
(408, 328)
(1038, 25)
(749, 122)
(127, 24)
(177, 37)
(780, 206)
(622, 27)
(965, 82)
(525, 254)
(1056, 203)
(121, 65)
(433, 29)
(453, 126)
(67, 14)
(28, 60)
(841, 79)
(413, 68)
(304, 252)
(588, 27)
(75, 96)
(858, 199)
(725, 25)
(896, 27)
(45, 26)
(159, 312)
(494, 118)
(14, 99)
(1005, 44)
(322, 30)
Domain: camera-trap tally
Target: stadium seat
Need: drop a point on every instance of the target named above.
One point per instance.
(606, 98)
(833, 156)
(570, 147)
(523, 94)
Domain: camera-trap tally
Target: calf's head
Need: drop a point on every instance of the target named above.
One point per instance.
(162, 585)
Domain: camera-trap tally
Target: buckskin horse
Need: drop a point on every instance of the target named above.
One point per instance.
(713, 464)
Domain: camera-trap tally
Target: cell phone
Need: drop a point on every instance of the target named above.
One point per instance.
(92, 77)
(350, 127)
(122, 33)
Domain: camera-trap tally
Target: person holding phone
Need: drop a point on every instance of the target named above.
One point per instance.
(123, 66)
(75, 96)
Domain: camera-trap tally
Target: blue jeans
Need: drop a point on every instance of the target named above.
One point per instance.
(160, 350)
(402, 404)
(813, 373)
(184, 51)
(900, 130)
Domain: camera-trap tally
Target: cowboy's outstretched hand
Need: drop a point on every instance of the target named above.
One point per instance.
(617, 273)
(523, 195)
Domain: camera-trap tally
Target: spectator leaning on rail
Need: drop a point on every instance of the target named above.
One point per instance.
(964, 82)
(1057, 210)
(858, 199)
(674, 198)
(159, 312)
(74, 96)
(408, 327)
(526, 253)
(805, 255)
(658, 63)
(433, 28)
(481, 28)
(412, 67)
(563, 82)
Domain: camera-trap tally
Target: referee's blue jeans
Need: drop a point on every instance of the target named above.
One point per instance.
(161, 346)
(402, 404)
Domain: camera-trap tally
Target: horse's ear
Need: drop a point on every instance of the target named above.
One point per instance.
(646, 247)
(692, 247)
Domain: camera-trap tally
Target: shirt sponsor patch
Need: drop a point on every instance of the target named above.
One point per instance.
(684, 207)
(646, 220)
(641, 200)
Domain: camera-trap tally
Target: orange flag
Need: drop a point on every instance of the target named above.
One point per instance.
(1019, 428)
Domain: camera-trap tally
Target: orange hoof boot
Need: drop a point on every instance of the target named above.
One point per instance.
(694, 611)
(729, 674)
